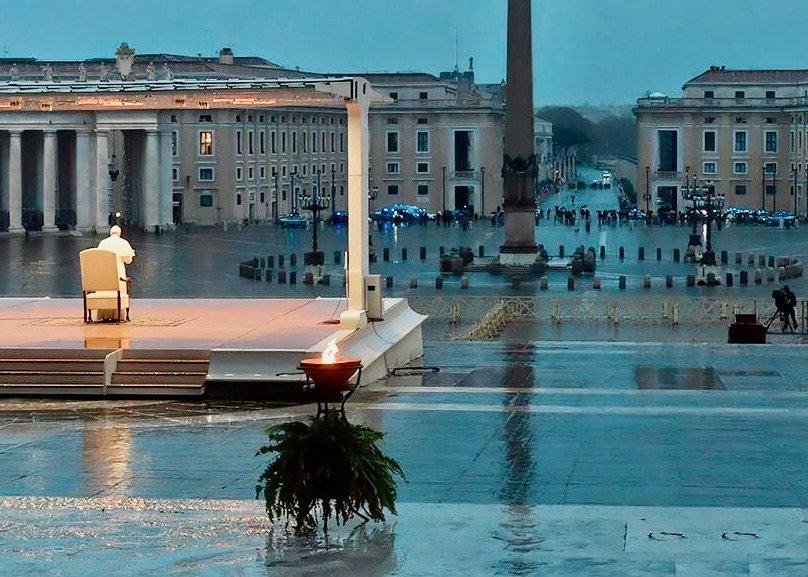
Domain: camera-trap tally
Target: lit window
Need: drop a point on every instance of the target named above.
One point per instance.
(206, 143)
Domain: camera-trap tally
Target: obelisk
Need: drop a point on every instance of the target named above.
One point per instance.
(519, 163)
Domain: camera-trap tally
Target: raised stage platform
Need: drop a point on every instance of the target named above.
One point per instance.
(248, 343)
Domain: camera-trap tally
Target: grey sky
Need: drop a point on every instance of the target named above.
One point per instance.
(596, 51)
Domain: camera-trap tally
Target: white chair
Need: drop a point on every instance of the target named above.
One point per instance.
(100, 285)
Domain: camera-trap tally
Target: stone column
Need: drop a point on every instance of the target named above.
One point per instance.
(15, 182)
(150, 200)
(49, 181)
(101, 209)
(358, 151)
(166, 181)
(519, 165)
(84, 197)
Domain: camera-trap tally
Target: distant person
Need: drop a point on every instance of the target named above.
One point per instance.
(123, 250)
(791, 304)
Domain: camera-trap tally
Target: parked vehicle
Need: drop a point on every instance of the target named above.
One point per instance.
(293, 220)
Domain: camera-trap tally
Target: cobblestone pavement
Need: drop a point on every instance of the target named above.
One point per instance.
(522, 458)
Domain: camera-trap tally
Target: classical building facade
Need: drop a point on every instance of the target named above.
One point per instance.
(744, 131)
(157, 140)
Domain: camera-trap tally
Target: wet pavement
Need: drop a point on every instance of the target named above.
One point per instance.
(522, 458)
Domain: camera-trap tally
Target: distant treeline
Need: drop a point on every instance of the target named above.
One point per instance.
(609, 136)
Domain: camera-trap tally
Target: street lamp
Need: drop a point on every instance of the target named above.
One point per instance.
(647, 189)
(482, 191)
(794, 192)
(275, 175)
(314, 203)
(333, 191)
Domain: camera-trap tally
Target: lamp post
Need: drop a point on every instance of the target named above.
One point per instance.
(794, 170)
(333, 191)
(647, 189)
(482, 191)
(295, 201)
(314, 203)
(774, 188)
(275, 195)
(708, 258)
(763, 187)
(443, 188)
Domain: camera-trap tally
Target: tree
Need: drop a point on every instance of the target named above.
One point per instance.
(569, 127)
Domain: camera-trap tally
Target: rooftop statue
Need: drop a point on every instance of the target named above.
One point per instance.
(167, 74)
(82, 72)
(47, 72)
(15, 73)
(150, 71)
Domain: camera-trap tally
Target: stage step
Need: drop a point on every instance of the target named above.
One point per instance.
(161, 372)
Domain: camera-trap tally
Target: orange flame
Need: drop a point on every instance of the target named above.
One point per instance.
(330, 352)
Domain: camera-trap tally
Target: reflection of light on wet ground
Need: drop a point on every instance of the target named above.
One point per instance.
(106, 456)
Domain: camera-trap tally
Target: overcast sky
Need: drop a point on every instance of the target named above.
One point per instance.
(595, 51)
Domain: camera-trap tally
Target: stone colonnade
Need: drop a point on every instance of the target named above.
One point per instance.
(58, 174)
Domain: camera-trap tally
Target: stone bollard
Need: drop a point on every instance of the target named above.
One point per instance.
(729, 279)
(439, 283)
(659, 254)
(761, 260)
(441, 251)
(308, 278)
(423, 253)
(561, 251)
(738, 258)
(621, 282)
(724, 257)
(646, 281)
(596, 283)
(388, 282)
(543, 284)
(269, 275)
(464, 282)
(771, 261)
(758, 276)
(270, 262)
(414, 282)
(641, 253)
(292, 277)
(516, 281)
(570, 283)
(481, 251)
(280, 261)
(403, 254)
(292, 260)
(677, 255)
(669, 281)
(711, 279)
(262, 262)
(386, 254)
(744, 278)
(602, 252)
(337, 256)
(691, 281)
(281, 277)
(621, 253)
(750, 259)
(769, 275)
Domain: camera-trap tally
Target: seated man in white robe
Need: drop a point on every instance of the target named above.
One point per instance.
(125, 252)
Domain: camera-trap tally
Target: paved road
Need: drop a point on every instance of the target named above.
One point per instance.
(522, 458)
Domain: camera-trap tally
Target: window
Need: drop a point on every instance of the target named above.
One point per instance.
(770, 95)
(394, 95)
(392, 121)
(342, 168)
(709, 168)
(305, 168)
(251, 173)
(262, 172)
(313, 141)
(205, 118)
(238, 142)
(239, 173)
(422, 168)
(206, 200)
(709, 120)
(740, 120)
(294, 142)
(709, 141)
(250, 142)
(262, 142)
(174, 118)
(423, 189)
(423, 121)
(392, 142)
(333, 147)
(770, 120)
(238, 199)
(272, 142)
(740, 141)
(206, 174)
(740, 95)
(422, 144)
(739, 168)
(283, 143)
(305, 138)
(260, 118)
(175, 150)
(392, 189)
(238, 117)
(175, 174)
(342, 142)
(771, 141)
(709, 94)
(770, 168)
(740, 189)
(423, 95)
(206, 143)
(323, 148)
(392, 168)
(261, 198)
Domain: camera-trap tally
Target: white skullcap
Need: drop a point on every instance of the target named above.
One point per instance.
(116, 230)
